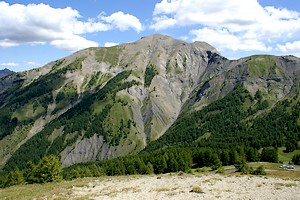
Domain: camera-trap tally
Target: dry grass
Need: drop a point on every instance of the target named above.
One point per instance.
(286, 184)
(42, 191)
(163, 189)
(285, 174)
(212, 180)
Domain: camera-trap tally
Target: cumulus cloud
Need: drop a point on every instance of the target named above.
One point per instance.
(290, 47)
(122, 21)
(110, 44)
(229, 24)
(223, 39)
(162, 22)
(41, 24)
(9, 64)
(73, 43)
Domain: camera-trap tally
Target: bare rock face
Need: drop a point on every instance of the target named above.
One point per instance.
(88, 149)
(119, 116)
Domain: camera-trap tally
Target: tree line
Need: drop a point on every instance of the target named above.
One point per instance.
(49, 169)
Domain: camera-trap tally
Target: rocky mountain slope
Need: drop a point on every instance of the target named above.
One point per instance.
(101, 103)
(4, 72)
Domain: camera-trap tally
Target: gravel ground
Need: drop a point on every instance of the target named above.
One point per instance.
(187, 186)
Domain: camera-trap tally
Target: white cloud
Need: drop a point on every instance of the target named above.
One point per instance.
(35, 24)
(9, 64)
(281, 13)
(162, 22)
(290, 47)
(223, 40)
(229, 24)
(110, 44)
(73, 43)
(212, 13)
(122, 21)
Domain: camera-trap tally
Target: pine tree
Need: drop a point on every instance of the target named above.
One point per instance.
(14, 177)
(30, 173)
(296, 159)
(269, 154)
(49, 169)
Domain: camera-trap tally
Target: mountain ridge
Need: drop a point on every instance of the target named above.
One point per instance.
(5, 72)
(101, 103)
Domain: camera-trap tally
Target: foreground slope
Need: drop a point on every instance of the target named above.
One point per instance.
(105, 102)
(185, 186)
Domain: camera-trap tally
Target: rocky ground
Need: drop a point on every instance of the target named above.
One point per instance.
(187, 186)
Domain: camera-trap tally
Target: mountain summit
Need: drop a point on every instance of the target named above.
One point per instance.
(101, 103)
(5, 72)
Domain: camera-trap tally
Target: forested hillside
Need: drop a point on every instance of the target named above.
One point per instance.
(232, 121)
(154, 105)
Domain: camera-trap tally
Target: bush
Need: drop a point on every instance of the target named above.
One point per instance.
(220, 170)
(243, 167)
(259, 171)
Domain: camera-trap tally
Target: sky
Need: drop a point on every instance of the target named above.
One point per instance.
(34, 33)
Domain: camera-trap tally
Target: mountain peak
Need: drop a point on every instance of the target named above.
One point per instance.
(5, 72)
(165, 40)
(101, 103)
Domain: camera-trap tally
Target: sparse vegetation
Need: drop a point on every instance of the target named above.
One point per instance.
(259, 171)
(196, 189)
(109, 55)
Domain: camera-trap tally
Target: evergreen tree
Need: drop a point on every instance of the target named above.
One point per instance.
(252, 155)
(225, 159)
(30, 173)
(290, 146)
(269, 154)
(234, 157)
(14, 177)
(296, 159)
(49, 169)
(150, 168)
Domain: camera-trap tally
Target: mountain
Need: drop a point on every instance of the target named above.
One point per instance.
(4, 72)
(101, 103)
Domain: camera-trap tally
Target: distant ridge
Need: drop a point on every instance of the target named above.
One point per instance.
(4, 72)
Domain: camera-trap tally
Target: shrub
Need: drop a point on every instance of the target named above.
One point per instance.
(220, 170)
(259, 171)
(242, 167)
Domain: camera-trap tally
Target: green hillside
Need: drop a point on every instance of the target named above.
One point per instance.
(231, 121)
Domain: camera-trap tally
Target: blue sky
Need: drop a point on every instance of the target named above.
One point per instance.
(33, 32)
